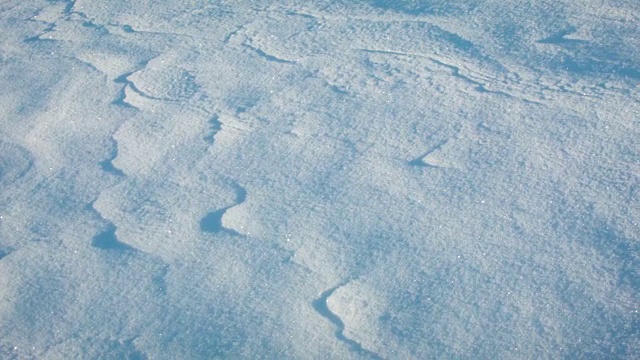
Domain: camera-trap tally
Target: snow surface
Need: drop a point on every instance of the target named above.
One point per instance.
(319, 179)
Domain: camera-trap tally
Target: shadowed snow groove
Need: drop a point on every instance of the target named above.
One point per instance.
(560, 38)
(70, 9)
(421, 160)
(51, 27)
(107, 239)
(215, 125)
(4, 253)
(479, 86)
(268, 57)
(124, 80)
(212, 222)
(122, 96)
(320, 305)
(107, 165)
(178, 95)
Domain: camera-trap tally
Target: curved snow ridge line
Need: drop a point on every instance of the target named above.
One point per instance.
(320, 306)
(124, 80)
(212, 222)
(65, 15)
(422, 160)
(107, 239)
(456, 72)
(167, 35)
(245, 41)
(51, 27)
(267, 56)
(181, 99)
(4, 252)
(215, 126)
(478, 85)
(107, 164)
(121, 100)
(69, 9)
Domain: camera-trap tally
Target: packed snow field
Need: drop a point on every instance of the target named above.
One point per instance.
(319, 179)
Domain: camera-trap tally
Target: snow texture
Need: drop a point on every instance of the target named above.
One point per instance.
(321, 179)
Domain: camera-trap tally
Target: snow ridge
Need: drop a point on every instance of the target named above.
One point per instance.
(320, 306)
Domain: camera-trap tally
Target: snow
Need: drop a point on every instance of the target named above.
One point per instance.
(321, 179)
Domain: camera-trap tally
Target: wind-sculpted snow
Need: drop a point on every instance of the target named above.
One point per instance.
(328, 179)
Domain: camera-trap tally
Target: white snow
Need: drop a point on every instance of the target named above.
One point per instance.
(321, 179)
